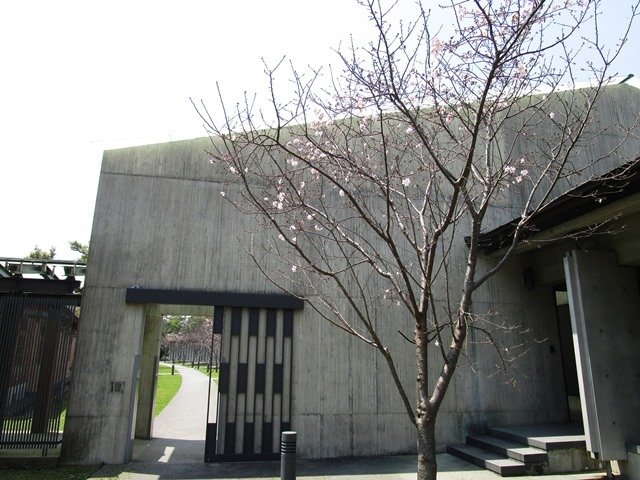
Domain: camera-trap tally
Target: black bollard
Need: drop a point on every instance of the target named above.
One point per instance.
(288, 456)
(173, 369)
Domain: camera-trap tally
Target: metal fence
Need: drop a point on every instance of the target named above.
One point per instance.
(37, 344)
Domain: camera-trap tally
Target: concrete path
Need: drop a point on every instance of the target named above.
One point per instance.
(179, 430)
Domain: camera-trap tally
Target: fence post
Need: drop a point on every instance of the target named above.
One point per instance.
(288, 456)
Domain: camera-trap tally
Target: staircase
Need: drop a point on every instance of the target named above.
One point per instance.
(528, 449)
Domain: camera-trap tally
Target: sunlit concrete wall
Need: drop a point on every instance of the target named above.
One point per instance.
(160, 222)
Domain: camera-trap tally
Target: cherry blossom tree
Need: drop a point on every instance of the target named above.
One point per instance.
(369, 177)
(190, 338)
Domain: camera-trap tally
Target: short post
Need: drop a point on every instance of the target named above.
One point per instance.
(288, 456)
(173, 369)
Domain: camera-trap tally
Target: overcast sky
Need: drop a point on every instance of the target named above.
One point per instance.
(78, 77)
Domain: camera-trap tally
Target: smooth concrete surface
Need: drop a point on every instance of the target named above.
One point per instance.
(147, 380)
(179, 430)
(401, 467)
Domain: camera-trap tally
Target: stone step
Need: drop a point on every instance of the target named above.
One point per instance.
(509, 448)
(490, 460)
(545, 436)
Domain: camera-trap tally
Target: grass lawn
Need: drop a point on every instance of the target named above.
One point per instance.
(167, 387)
(203, 369)
(59, 473)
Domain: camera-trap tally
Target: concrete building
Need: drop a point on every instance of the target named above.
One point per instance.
(164, 241)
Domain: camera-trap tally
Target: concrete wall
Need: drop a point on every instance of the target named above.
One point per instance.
(605, 310)
(160, 222)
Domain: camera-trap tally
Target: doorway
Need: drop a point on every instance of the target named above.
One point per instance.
(567, 352)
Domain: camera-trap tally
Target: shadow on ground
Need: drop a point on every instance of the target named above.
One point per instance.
(396, 467)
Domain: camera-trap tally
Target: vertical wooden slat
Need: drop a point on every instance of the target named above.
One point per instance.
(241, 386)
(223, 385)
(252, 354)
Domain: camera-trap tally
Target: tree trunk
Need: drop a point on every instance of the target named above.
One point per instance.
(427, 466)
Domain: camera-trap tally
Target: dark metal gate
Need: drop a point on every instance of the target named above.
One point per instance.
(37, 340)
(255, 385)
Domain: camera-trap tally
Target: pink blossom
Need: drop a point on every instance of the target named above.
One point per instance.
(436, 46)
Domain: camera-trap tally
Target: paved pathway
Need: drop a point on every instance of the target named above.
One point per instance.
(179, 430)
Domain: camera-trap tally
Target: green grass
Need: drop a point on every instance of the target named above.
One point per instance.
(167, 387)
(203, 369)
(58, 473)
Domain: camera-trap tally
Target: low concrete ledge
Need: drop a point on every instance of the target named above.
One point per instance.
(631, 468)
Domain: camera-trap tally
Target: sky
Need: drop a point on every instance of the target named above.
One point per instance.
(79, 77)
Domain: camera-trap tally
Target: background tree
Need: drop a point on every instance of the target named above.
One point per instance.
(81, 248)
(366, 184)
(188, 338)
(38, 254)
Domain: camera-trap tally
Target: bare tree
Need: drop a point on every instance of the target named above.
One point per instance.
(368, 186)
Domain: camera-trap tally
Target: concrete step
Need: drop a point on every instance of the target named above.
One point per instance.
(544, 436)
(509, 448)
(495, 462)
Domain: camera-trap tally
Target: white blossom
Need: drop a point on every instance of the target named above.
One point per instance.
(406, 181)
(222, 194)
(294, 268)
(436, 46)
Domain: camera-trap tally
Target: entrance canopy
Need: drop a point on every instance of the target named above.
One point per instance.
(594, 207)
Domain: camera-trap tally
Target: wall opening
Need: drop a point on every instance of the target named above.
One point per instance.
(567, 352)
